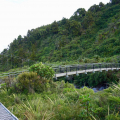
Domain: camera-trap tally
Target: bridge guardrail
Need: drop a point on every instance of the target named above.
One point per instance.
(71, 68)
(12, 73)
(86, 67)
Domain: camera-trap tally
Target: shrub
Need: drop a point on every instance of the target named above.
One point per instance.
(30, 82)
(95, 79)
(2, 86)
(81, 80)
(112, 117)
(86, 60)
(42, 70)
(96, 57)
(7, 82)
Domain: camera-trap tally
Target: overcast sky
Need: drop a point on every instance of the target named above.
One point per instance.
(19, 16)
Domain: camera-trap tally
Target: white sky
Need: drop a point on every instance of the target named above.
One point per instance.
(19, 16)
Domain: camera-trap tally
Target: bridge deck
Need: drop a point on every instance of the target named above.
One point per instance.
(82, 71)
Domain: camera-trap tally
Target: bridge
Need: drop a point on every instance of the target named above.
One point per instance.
(77, 69)
(73, 69)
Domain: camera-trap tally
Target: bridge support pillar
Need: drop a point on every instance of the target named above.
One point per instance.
(77, 74)
(66, 76)
(85, 72)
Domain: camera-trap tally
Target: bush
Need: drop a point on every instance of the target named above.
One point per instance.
(2, 86)
(42, 70)
(30, 82)
(113, 117)
(96, 57)
(37, 80)
(95, 79)
(7, 82)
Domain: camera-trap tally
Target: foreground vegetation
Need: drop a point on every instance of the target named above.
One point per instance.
(34, 96)
(64, 102)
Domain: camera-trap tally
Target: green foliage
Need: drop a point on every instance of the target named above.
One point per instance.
(54, 27)
(2, 86)
(81, 80)
(94, 8)
(85, 102)
(115, 1)
(113, 117)
(27, 81)
(66, 103)
(97, 57)
(79, 14)
(7, 82)
(101, 4)
(42, 70)
(30, 82)
(95, 79)
(85, 35)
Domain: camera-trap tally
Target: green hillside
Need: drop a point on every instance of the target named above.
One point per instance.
(88, 36)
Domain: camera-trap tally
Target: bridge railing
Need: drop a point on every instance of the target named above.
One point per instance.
(86, 67)
(71, 68)
(12, 74)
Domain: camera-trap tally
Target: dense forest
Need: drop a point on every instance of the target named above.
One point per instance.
(85, 35)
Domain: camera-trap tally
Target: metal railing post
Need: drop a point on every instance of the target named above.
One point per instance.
(70, 68)
(111, 66)
(78, 67)
(93, 68)
(106, 67)
(85, 69)
(66, 72)
(60, 69)
(76, 70)
(100, 67)
(55, 74)
(116, 66)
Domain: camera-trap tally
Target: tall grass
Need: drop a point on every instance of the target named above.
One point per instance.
(64, 102)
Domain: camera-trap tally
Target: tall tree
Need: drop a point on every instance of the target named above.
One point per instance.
(94, 8)
(79, 14)
(115, 1)
(101, 4)
(54, 27)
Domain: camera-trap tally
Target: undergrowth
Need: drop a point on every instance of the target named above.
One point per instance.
(64, 102)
